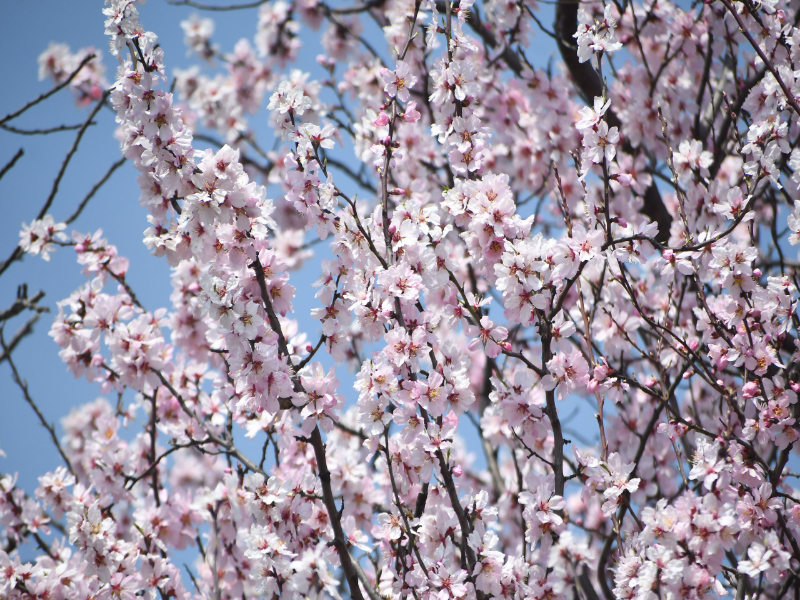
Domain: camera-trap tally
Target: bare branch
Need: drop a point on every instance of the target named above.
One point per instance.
(10, 164)
(193, 4)
(23, 385)
(49, 93)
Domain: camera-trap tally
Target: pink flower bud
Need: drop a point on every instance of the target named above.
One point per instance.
(694, 345)
(458, 471)
(750, 390)
(383, 119)
(592, 385)
(601, 371)
(757, 273)
(623, 178)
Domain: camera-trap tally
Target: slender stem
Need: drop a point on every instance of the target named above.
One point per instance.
(49, 93)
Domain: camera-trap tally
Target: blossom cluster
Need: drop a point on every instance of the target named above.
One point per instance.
(506, 247)
(82, 70)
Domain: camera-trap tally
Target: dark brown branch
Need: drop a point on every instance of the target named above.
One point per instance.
(508, 56)
(22, 303)
(583, 74)
(255, 4)
(120, 279)
(228, 446)
(23, 385)
(790, 99)
(352, 571)
(589, 86)
(17, 253)
(23, 332)
(358, 8)
(70, 154)
(12, 162)
(49, 130)
(339, 538)
(94, 190)
(47, 94)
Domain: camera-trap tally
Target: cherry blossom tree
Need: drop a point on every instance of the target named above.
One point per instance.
(498, 240)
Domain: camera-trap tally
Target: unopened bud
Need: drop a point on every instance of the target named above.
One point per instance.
(624, 179)
(601, 371)
(750, 390)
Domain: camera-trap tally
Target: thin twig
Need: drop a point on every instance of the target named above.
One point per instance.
(23, 385)
(19, 131)
(23, 332)
(94, 190)
(216, 8)
(789, 96)
(17, 253)
(47, 94)
(10, 164)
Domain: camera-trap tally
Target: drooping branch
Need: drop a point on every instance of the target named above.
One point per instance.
(23, 386)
